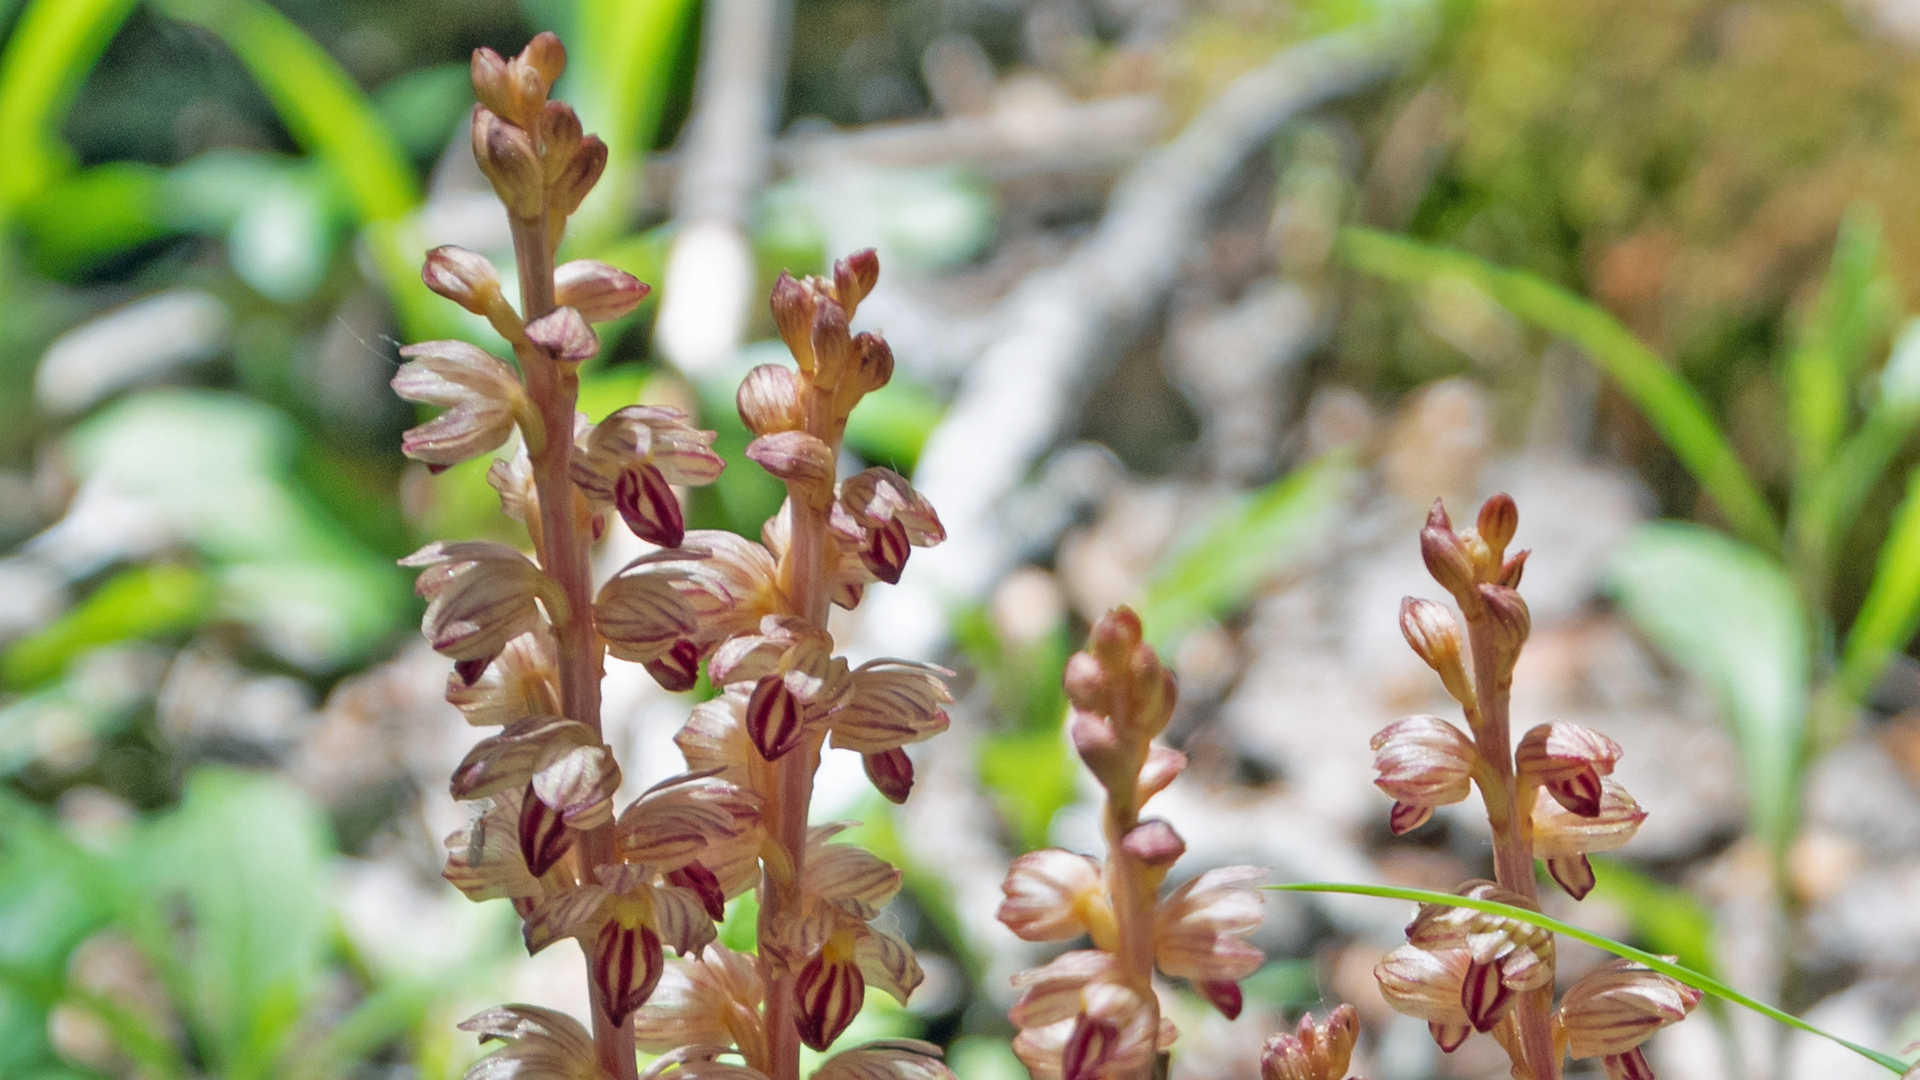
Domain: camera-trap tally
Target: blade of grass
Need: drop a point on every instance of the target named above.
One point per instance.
(50, 53)
(1661, 964)
(625, 63)
(1669, 404)
(324, 111)
(1854, 306)
(1891, 614)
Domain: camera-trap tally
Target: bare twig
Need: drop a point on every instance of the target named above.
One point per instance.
(1064, 323)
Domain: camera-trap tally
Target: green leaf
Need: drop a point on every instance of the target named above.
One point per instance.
(143, 602)
(892, 424)
(621, 69)
(1031, 776)
(1890, 616)
(1661, 964)
(1242, 547)
(1668, 403)
(49, 54)
(322, 108)
(1855, 305)
(52, 896)
(248, 854)
(1729, 616)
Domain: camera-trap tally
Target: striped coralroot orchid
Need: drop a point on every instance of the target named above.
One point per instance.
(529, 633)
(1094, 1012)
(1551, 798)
(1314, 1051)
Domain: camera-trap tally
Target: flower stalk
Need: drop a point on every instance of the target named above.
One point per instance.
(1551, 798)
(530, 638)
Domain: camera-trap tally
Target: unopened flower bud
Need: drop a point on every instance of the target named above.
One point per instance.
(768, 401)
(1097, 744)
(796, 457)
(1618, 1005)
(1049, 894)
(854, 277)
(774, 717)
(626, 966)
(891, 772)
(829, 991)
(564, 335)
(1568, 761)
(600, 293)
(558, 138)
(1423, 762)
(1448, 561)
(872, 362)
(1499, 520)
(1115, 636)
(1513, 568)
(1511, 621)
(1435, 635)
(1155, 843)
(462, 276)
(886, 550)
(793, 305)
(582, 170)
(1086, 684)
(506, 155)
(831, 344)
(1315, 1051)
(545, 55)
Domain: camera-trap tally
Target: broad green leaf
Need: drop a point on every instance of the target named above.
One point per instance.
(1890, 616)
(422, 106)
(322, 108)
(248, 855)
(1031, 777)
(49, 54)
(52, 895)
(72, 223)
(1855, 305)
(1661, 964)
(1729, 616)
(1242, 547)
(892, 424)
(142, 602)
(1668, 403)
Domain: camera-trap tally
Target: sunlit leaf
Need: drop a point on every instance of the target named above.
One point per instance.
(1855, 305)
(143, 602)
(619, 72)
(1890, 616)
(49, 54)
(52, 895)
(248, 854)
(1661, 964)
(1729, 616)
(1242, 548)
(320, 105)
(1669, 404)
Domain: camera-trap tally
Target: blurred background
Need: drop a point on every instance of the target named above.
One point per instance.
(1644, 264)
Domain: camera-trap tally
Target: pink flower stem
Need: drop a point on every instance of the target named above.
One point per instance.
(1512, 825)
(554, 388)
(804, 576)
(1134, 889)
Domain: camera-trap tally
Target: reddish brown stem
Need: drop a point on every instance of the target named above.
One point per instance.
(1512, 826)
(554, 388)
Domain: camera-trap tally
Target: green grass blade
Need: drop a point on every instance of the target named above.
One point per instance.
(624, 52)
(325, 112)
(50, 53)
(1855, 305)
(1669, 404)
(1891, 614)
(1692, 978)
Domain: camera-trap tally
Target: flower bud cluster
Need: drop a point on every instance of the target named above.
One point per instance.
(1551, 798)
(529, 633)
(1313, 1051)
(1093, 1012)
